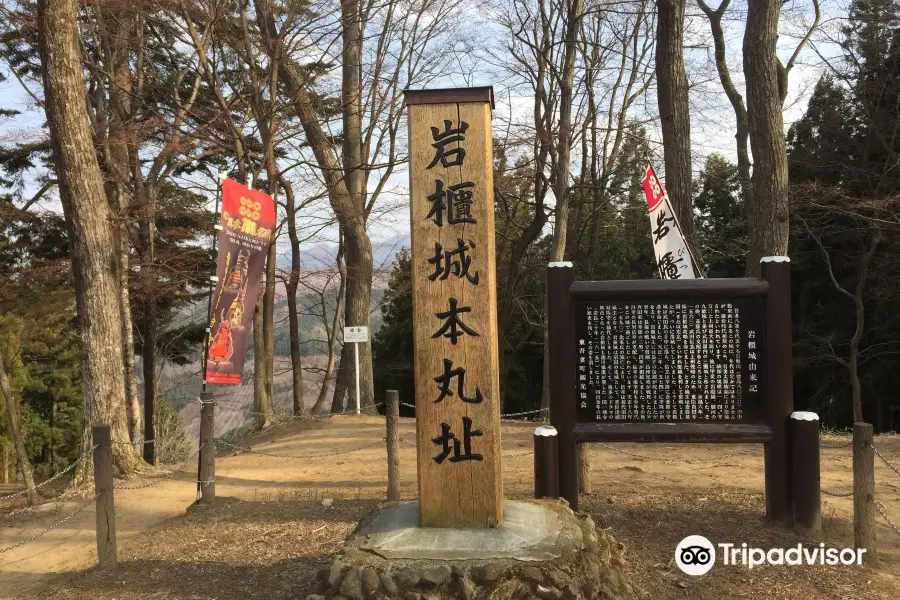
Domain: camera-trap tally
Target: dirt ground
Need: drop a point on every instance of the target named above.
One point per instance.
(269, 533)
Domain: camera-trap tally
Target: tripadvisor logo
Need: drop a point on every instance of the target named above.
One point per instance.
(696, 555)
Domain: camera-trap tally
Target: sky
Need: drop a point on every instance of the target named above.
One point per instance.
(712, 128)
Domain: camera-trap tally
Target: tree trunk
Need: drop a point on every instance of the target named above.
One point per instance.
(358, 245)
(584, 469)
(268, 328)
(261, 401)
(117, 34)
(674, 111)
(768, 224)
(319, 406)
(573, 19)
(291, 288)
(131, 396)
(88, 220)
(859, 305)
(561, 179)
(5, 464)
(149, 357)
(15, 429)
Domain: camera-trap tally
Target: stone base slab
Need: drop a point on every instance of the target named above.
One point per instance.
(543, 550)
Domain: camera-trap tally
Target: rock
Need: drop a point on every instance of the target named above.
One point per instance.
(611, 500)
(571, 592)
(533, 574)
(352, 584)
(408, 577)
(593, 570)
(508, 590)
(609, 575)
(607, 596)
(320, 587)
(465, 589)
(433, 578)
(412, 596)
(617, 562)
(588, 526)
(558, 578)
(370, 581)
(547, 593)
(315, 597)
(334, 574)
(628, 589)
(388, 584)
(327, 502)
(488, 573)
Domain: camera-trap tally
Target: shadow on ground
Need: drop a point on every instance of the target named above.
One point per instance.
(652, 525)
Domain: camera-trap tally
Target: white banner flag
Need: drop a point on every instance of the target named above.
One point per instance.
(673, 258)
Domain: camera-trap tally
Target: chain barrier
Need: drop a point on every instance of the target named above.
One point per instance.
(890, 523)
(886, 461)
(527, 412)
(295, 417)
(835, 446)
(275, 455)
(506, 416)
(49, 529)
(408, 443)
(675, 460)
(158, 480)
(74, 464)
(837, 494)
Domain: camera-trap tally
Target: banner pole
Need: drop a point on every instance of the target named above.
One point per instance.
(213, 281)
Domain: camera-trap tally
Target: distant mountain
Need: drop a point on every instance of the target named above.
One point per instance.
(314, 257)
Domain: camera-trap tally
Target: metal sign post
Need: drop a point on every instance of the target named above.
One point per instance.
(355, 335)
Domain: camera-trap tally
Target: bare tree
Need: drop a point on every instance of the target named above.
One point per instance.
(330, 318)
(573, 12)
(862, 221)
(291, 284)
(742, 134)
(674, 111)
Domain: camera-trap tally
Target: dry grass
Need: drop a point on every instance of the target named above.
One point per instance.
(235, 550)
(271, 535)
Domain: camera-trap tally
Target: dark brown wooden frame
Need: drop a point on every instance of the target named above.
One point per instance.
(777, 389)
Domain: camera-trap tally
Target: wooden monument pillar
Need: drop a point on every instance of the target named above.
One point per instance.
(455, 307)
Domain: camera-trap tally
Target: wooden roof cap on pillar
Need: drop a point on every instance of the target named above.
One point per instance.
(450, 95)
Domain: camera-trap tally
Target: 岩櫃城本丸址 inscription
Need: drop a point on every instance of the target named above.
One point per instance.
(454, 308)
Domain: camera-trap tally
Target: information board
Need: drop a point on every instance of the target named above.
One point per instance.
(669, 361)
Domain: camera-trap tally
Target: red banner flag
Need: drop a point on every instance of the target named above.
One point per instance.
(247, 225)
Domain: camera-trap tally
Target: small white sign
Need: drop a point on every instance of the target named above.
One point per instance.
(356, 334)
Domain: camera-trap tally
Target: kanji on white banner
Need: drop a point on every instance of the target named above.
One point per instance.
(673, 258)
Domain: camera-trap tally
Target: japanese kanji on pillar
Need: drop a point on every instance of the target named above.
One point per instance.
(455, 307)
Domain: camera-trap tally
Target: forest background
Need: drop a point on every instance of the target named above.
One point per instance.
(774, 125)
